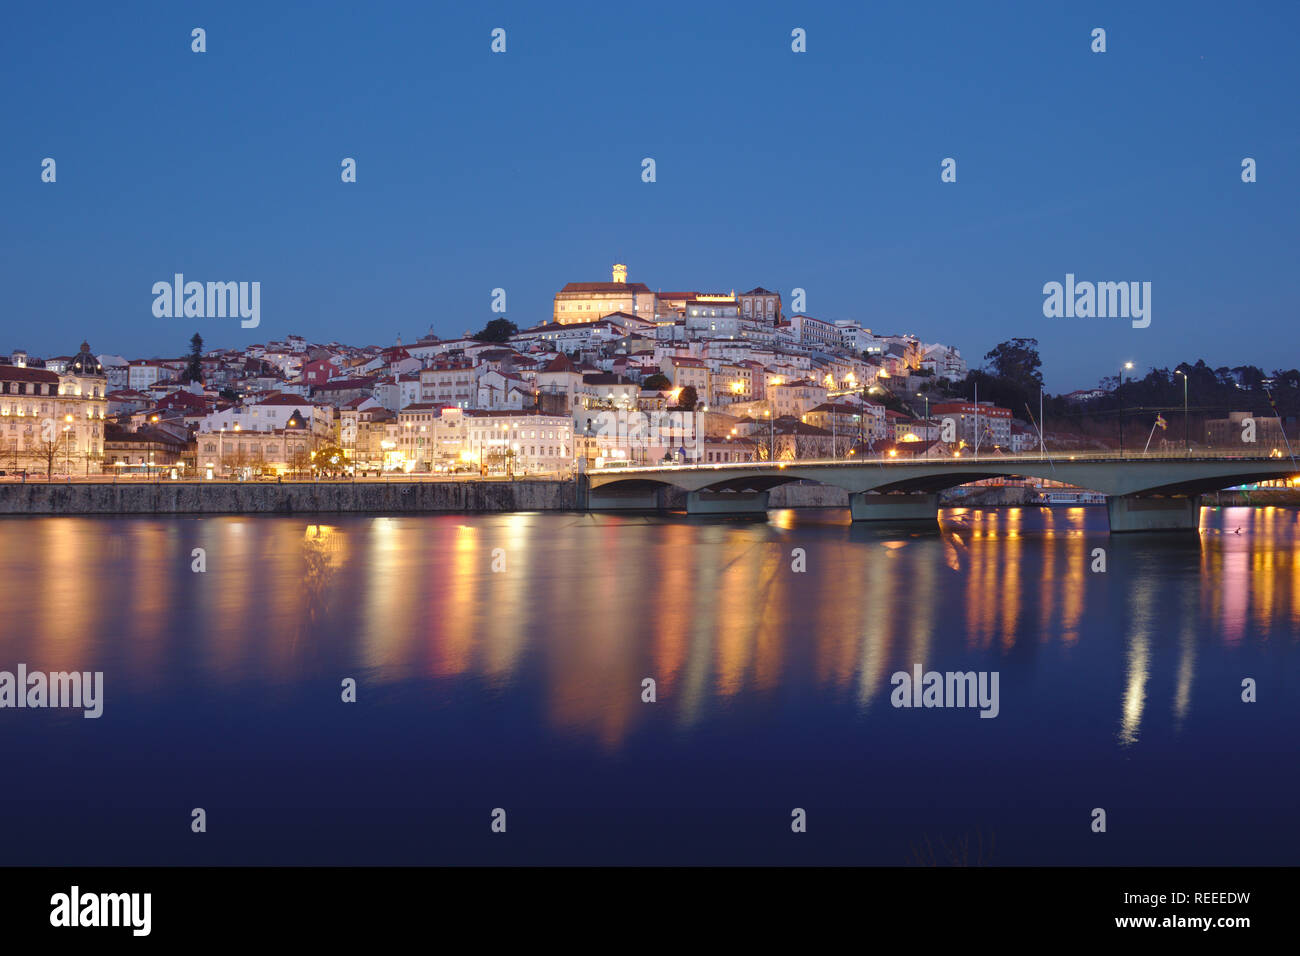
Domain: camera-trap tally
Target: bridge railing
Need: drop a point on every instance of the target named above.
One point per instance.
(966, 457)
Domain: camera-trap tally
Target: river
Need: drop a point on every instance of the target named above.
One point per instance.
(500, 661)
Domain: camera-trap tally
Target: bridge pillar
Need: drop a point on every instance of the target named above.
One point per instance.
(1132, 513)
(619, 499)
(899, 507)
(727, 503)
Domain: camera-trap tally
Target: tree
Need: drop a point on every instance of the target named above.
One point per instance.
(657, 382)
(1017, 361)
(808, 441)
(299, 460)
(498, 330)
(687, 398)
(1249, 376)
(49, 449)
(194, 371)
(1287, 379)
(235, 458)
(329, 460)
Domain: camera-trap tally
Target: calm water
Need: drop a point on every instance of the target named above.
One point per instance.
(521, 689)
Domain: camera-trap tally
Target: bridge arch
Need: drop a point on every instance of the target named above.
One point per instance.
(1139, 486)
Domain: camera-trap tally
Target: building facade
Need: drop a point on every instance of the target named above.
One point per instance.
(588, 301)
(51, 423)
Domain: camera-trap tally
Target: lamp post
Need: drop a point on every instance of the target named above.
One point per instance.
(1187, 448)
(1126, 365)
(67, 446)
(862, 415)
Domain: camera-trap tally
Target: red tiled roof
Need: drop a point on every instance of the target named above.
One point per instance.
(279, 399)
(605, 287)
(14, 373)
(504, 412)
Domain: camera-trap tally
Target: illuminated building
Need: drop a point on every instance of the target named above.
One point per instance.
(53, 423)
(589, 301)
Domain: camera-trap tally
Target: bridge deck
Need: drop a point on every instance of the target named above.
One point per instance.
(1128, 477)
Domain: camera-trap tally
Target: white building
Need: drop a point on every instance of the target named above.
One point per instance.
(273, 414)
(116, 370)
(816, 332)
(945, 361)
(575, 336)
(144, 372)
(607, 435)
(858, 340)
(449, 382)
(522, 442)
(713, 316)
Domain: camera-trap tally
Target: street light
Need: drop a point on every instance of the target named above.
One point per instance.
(1187, 448)
(1126, 365)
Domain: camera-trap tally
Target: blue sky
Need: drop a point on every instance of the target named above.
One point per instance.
(522, 170)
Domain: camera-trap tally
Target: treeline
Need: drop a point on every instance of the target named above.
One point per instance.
(1012, 378)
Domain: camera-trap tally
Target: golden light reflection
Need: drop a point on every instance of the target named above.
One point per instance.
(509, 607)
(389, 612)
(1186, 656)
(1009, 585)
(876, 613)
(1142, 599)
(587, 609)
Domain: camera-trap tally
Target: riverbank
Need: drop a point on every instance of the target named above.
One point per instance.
(199, 498)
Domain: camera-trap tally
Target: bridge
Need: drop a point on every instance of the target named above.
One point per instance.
(1144, 493)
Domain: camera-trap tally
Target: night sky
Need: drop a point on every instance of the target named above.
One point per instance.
(522, 170)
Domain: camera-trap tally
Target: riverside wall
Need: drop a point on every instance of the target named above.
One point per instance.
(197, 498)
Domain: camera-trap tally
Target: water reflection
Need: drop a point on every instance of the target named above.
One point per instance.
(569, 613)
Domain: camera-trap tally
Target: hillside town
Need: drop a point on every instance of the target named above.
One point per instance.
(618, 375)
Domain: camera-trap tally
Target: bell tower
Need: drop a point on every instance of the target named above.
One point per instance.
(620, 272)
